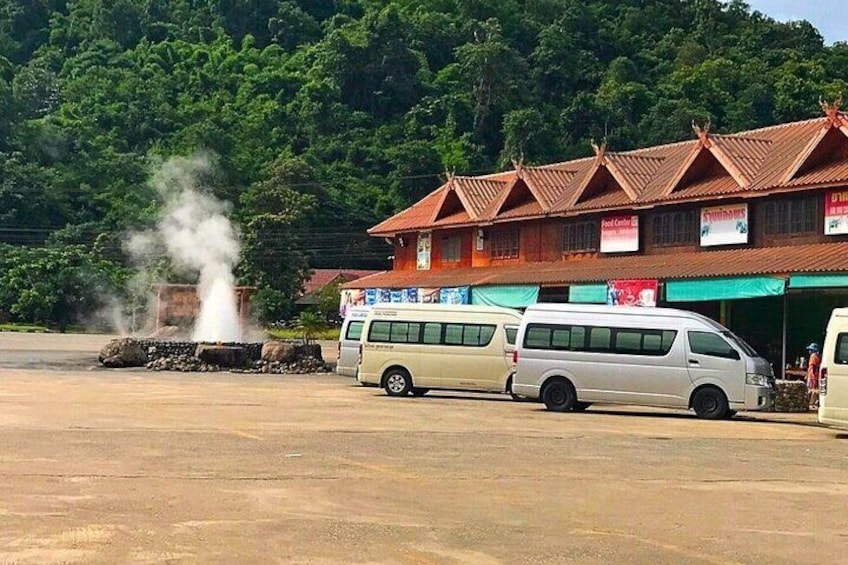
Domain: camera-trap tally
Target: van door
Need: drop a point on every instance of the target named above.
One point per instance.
(833, 409)
(710, 356)
(474, 357)
(348, 359)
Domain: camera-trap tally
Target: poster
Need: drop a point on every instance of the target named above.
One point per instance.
(384, 295)
(836, 212)
(633, 292)
(724, 225)
(350, 298)
(620, 234)
(409, 295)
(423, 257)
(454, 295)
(428, 295)
(370, 296)
(396, 296)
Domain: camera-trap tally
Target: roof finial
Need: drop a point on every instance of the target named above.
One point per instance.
(703, 133)
(600, 150)
(831, 110)
(518, 164)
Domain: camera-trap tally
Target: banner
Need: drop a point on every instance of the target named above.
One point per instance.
(396, 296)
(410, 296)
(428, 295)
(423, 257)
(620, 234)
(370, 296)
(724, 225)
(635, 292)
(836, 212)
(384, 295)
(455, 295)
(350, 298)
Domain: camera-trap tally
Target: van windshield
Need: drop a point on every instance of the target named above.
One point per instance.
(740, 343)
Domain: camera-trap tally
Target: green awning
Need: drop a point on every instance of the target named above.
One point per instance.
(508, 296)
(818, 281)
(588, 293)
(726, 288)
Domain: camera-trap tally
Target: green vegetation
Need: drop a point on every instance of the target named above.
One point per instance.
(326, 116)
(22, 328)
(325, 334)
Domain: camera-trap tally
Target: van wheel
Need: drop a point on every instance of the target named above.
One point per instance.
(730, 414)
(559, 396)
(516, 397)
(397, 383)
(710, 403)
(420, 391)
(581, 406)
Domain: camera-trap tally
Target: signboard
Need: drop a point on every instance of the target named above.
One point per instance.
(620, 234)
(428, 295)
(633, 292)
(724, 225)
(350, 298)
(455, 295)
(836, 212)
(423, 257)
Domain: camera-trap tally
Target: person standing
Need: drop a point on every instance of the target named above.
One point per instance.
(813, 374)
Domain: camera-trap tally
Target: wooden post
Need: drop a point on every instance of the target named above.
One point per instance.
(783, 338)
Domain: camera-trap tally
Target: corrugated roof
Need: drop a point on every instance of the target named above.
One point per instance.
(815, 258)
(761, 159)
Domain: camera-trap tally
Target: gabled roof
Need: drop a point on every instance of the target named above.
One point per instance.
(604, 171)
(522, 197)
(819, 152)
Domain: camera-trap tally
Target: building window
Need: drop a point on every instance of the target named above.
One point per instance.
(580, 236)
(505, 244)
(674, 228)
(452, 249)
(792, 217)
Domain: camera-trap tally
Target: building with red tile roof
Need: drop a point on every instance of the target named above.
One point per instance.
(729, 225)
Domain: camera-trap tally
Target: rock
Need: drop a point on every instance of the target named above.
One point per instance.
(125, 352)
(168, 332)
(223, 355)
(311, 350)
(792, 396)
(278, 351)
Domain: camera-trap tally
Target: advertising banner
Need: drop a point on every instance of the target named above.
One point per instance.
(370, 296)
(410, 295)
(396, 296)
(349, 298)
(423, 257)
(428, 295)
(620, 234)
(836, 212)
(455, 295)
(384, 295)
(724, 225)
(634, 292)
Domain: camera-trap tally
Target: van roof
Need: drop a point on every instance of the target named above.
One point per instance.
(624, 311)
(840, 313)
(422, 307)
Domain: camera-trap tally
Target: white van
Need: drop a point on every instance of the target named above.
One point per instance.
(348, 347)
(571, 356)
(413, 348)
(833, 379)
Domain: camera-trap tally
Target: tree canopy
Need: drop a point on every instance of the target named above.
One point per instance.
(327, 116)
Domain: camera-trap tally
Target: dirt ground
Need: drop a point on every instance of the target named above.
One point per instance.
(130, 466)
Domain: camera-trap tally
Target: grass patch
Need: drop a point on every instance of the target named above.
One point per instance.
(23, 328)
(328, 334)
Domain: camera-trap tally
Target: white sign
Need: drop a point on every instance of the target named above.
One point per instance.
(620, 234)
(423, 257)
(836, 213)
(724, 225)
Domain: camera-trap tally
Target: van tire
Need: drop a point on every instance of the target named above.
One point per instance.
(581, 406)
(420, 391)
(559, 395)
(710, 403)
(516, 397)
(397, 382)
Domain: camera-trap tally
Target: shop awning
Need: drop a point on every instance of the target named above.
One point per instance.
(818, 281)
(512, 296)
(725, 288)
(588, 293)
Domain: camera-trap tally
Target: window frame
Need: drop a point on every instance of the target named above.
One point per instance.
(452, 243)
(578, 229)
(586, 339)
(505, 243)
(841, 343)
(675, 228)
(782, 216)
(733, 353)
(488, 330)
(358, 323)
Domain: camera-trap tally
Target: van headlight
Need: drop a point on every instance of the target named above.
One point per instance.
(756, 380)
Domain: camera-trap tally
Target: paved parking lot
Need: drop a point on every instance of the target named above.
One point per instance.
(137, 467)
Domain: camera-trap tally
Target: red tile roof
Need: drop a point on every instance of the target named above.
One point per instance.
(756, 161)
(322, 277)
(815, 258)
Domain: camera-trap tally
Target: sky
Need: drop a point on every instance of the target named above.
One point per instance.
(828, 16)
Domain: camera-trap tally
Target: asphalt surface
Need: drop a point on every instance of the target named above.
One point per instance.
(129, 466)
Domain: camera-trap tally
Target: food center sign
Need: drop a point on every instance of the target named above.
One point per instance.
(724, 225)
(836, 212)
(620, 234)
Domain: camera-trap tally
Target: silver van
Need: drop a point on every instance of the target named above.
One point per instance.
(348, 348)
(833, 379)
(571, 356)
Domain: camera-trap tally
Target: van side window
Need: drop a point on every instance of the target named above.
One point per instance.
(354, 331)
(511, 334)
(538, 337)
(599, 339)
(432, 333)
(404, 332)
(379, 331)
(623, 341)
(706, 343)
(841, 354)
(453, 334)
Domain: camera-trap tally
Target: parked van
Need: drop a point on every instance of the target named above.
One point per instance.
(348, 348)
(571, 356)
(414, 348)
(833, 378)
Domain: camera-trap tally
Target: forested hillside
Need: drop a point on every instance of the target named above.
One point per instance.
(323, 117)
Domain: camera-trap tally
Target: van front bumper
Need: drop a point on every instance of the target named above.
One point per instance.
(756, 398)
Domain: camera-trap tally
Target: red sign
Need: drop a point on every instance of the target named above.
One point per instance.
(634, 292)
(836, 212)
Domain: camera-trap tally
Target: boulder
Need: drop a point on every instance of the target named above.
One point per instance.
(278, 351)
(125, 352)
(168, 332)
(310, 350)
(222, 355)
